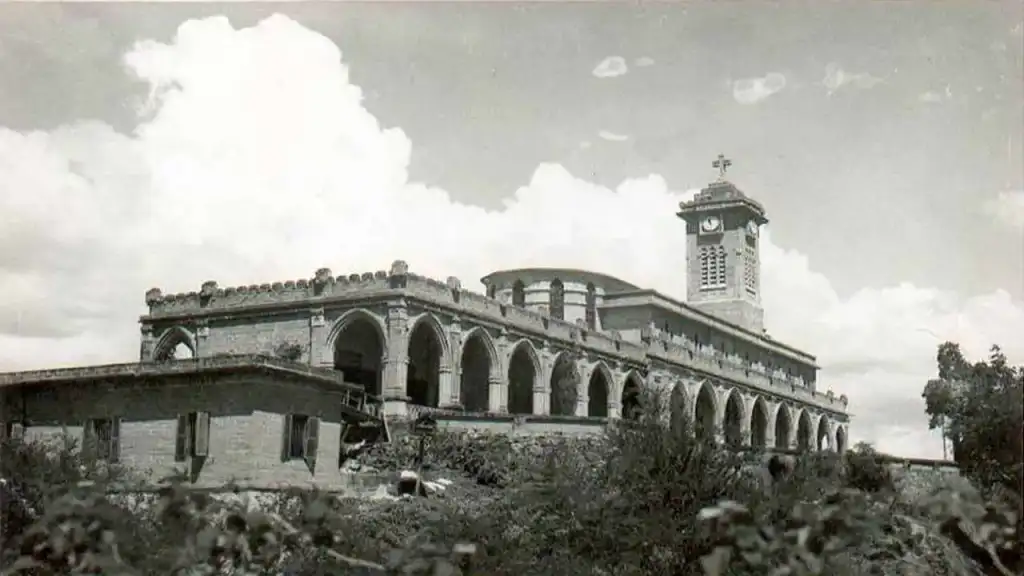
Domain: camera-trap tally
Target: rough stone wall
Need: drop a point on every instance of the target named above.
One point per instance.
(246, 427)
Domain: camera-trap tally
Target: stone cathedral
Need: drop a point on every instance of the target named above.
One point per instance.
(258, 383)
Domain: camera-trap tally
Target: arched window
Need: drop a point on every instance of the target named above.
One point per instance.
(519, 294)
(750, 269)
(591, 308)
(556, 299)
(492, 291)
(712, 267)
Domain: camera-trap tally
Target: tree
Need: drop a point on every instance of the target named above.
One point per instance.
(981, 406)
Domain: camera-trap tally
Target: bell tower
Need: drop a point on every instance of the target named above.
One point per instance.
(723, 262)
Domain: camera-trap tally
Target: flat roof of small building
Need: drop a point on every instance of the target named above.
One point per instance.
(185, 367)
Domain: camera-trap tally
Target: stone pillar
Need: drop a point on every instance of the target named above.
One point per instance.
(770, 420)
(447, 390)
(496, 399)
(745, 418)
(614, 408)
(396, 359)
(542, 382)
(454, 398)
(583, 388)
(146, 344)
(202, 333)
(317, 353)
(721, 401)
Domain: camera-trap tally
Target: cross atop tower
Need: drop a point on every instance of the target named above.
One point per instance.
(722, 164)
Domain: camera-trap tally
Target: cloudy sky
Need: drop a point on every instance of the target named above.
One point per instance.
(163, 145)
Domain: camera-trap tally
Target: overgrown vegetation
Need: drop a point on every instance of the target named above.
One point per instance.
(639, 500)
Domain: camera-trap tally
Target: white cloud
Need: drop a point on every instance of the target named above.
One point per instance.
(936, 97)
(754, 90)
(643, 62)
(585, 144)
(1007, 208)
(612, 136)
(259, 163)
(611, 67)
(836, 78)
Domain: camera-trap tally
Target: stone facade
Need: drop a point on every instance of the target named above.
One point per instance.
(424, 344)
(543, 350)
(245, 402)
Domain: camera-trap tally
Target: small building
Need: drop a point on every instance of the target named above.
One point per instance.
(542, 349)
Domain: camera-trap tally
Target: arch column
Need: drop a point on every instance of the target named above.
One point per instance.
(497, 384)
(770, 419)
(586, 371)
(396, 359)
(542, 381)
(746, 415)
(793, 440)
(452, 381)
(815, 421)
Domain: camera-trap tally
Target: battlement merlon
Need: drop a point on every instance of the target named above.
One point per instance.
(721, 195)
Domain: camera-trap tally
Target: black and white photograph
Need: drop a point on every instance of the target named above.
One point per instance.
(508, 288)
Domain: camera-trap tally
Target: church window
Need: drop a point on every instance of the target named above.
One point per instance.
(519, 294)
(750, 270)
(556, 299)
(591, 307)
(712, 267)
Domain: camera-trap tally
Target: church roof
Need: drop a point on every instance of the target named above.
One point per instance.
(502, 278)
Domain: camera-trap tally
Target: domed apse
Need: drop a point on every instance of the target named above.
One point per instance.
(565, 380)
(477, 363)
(733, 425)
(358, 350)
(783, 427)
(424, 372)
(759, 424)
(522, 373)
(597, 394)
(704, 421)
(632, 408)
(823, 441)
(803, 431)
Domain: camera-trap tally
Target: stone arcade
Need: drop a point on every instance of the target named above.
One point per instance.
(420, 345)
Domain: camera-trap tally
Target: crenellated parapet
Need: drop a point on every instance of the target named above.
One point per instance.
(324, 288)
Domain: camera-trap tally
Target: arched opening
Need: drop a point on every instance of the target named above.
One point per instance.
(174, 345)
(565, 380)
(803, 431)
(631, 405)
(783, 427)
(704, 418)
(590, 310)
(522, 373)
(678, 417)
(759, 424)
(519, 294)
(424, 372)
(358, 349)
(597, 394)
(556, 299)
(476, 365)
(492, 291)
(823, 442)
(733, 425)
(840, 439)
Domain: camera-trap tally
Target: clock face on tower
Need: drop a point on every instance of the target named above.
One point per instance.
(710, 224)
